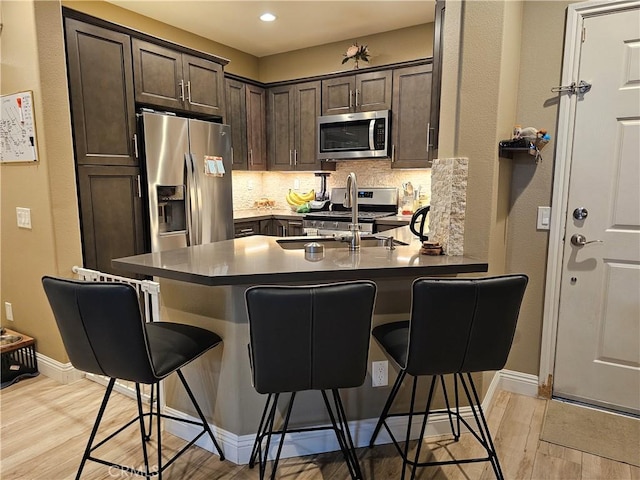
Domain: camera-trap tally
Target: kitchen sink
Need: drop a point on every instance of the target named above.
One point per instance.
(331, 242)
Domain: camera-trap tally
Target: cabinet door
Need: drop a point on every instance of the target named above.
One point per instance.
(110, 214)
(204, 82)
(295, 228)
(266, 227)
(373, 91)
(158, 75)
(236, 117)
(338, 95)
(102, 96)
(256, 129)
(280, 133)
(411, 115)
(307, 109)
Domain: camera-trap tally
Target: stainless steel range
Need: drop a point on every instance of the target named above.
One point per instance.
(374, 202)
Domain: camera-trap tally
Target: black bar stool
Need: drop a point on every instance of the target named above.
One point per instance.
(104, 333)
(308, 338)
(457, 326)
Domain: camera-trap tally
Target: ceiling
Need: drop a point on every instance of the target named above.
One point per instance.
(299, 23)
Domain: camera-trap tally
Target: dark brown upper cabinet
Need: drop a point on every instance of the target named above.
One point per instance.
(102, 95)
(292, 112)
(411, 132)
(175, 80)
(362, 92)
(246, 112)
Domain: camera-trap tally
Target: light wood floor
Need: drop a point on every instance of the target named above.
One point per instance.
(45, 425)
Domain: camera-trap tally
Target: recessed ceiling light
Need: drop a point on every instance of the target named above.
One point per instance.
(267, 17)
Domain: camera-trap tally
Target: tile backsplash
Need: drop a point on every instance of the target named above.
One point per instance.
(250, 186)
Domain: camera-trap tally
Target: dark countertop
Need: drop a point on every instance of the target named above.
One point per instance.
(260, 259)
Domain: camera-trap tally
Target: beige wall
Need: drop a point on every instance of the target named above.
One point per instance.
(386, 48)
(33, 59)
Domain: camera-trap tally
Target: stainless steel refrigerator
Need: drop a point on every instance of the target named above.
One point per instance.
(188, 174)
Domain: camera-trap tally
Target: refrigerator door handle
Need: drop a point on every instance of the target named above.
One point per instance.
(197, 217)
(190, 198)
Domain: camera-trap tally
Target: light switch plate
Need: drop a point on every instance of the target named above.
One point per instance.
(24, 217)
(544, 218)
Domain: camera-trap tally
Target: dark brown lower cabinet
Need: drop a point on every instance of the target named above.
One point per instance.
(111, 215)
(288, 228)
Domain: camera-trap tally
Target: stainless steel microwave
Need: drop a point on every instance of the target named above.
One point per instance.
(354, 135)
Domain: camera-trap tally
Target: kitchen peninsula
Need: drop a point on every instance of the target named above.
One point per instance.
(204, 285)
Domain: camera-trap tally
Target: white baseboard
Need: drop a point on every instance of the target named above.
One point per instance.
(61, 372)
(237, 448)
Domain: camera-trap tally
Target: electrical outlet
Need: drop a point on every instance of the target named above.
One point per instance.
(296, 184)
(8, 310)
(380, 373)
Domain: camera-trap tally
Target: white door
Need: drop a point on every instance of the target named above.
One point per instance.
(598, 337)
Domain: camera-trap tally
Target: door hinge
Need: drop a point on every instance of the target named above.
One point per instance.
(584, 34)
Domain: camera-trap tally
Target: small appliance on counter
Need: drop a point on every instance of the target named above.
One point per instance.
(322, 197)
(419, 222)
(373, 202)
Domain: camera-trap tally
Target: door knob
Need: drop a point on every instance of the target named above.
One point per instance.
(580, 240)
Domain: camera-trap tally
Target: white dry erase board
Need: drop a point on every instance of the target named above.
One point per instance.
(17, 128)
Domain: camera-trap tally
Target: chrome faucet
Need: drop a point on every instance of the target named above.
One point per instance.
(351, 201)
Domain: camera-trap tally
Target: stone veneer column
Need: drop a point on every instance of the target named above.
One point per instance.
(448, 203)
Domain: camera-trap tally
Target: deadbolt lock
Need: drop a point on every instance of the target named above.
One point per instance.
(580, 213)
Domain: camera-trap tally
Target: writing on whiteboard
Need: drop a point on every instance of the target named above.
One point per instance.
(17, 130)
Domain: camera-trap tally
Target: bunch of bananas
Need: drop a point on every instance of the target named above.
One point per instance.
(296, 199)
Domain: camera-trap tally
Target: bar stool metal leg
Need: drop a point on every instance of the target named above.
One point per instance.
(103, 406)
(387, 406)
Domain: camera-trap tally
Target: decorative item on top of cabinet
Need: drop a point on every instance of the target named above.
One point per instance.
(292, 112)
(172, 79)
(101, 93)
(411, 132)
(246, 113)
(363, 92)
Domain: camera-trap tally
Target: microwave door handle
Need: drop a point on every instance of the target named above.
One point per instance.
(372, 128)
(197, 217)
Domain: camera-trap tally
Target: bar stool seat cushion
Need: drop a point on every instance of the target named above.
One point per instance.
(394, 338)
(173, 345)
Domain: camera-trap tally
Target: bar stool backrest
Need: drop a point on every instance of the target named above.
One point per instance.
(309, 337)
(463, 325)
(101, 328)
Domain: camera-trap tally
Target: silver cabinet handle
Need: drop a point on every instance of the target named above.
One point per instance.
(357, 97)
(251, 157)
(181, 90)
(350, 99)
(578, 240)
(428, 136)
(139, 186)
(393, 153)
(135, 144)
(189, 91)
(290, 157)
(295, 157)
